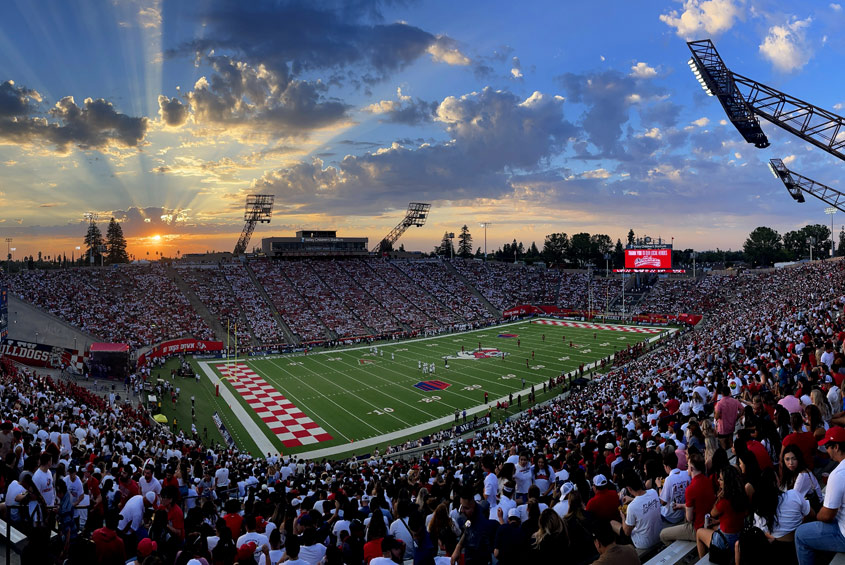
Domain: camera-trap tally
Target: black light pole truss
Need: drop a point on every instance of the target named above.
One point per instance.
(415, 216)
(259, 208)
(717, 80)
(744, 99)
(815, 125)
(798, 184)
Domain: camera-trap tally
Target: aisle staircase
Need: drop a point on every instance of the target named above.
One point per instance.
(289, 335)
(196, 303)
(484, 302)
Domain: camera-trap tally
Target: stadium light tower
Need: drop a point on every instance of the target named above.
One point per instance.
(416, 215)
(830, 211)
(8, 255)
(798, 184)
(485, 225)
(743, 99)
(259, 208)
(716, 80)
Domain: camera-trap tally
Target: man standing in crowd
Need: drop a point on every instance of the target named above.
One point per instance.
(827, 534)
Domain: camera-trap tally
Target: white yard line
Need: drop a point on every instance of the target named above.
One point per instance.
(356, 446)
(258, 435)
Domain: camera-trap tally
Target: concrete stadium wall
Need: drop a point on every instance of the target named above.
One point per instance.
(29, 323)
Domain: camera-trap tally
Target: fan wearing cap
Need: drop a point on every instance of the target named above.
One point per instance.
(146, 547)
(511, 540)
(605, 503)
(562, 506)
(828, 533)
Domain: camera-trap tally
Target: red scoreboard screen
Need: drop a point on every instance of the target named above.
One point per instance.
(648, 258)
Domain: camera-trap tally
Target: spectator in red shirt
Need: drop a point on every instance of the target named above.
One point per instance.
(605, 503)
(107, 544)
(805, 441)
(730, 510)
(233, 518)
(699, 498)
(175, 518)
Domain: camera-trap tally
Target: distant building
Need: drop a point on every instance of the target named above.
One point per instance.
(314, 243)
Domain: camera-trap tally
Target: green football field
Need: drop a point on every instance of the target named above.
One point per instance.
(353, 399)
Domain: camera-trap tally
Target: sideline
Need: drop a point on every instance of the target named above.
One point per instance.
(255, 433)
(260, 438)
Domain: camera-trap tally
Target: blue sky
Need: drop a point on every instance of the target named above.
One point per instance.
(538, 117)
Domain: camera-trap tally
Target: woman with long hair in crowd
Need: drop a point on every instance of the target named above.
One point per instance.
(443, 530)
(549, 542)
(794, 474)
(730, 509)
(778, 514)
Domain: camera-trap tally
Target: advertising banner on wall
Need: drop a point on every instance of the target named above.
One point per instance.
(178, 346)
(37, 354)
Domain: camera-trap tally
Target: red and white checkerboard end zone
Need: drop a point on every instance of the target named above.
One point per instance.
(591, 326)
(283, 418)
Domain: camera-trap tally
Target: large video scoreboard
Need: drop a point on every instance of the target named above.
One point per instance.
(4, 314)
(650, 258)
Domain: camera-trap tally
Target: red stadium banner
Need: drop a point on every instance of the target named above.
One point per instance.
(648, 258)
(664, 271)
(522, 310)
(177, 346)
(36, 354)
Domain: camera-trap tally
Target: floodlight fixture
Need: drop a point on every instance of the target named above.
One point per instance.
(717, 80)
(797, 184)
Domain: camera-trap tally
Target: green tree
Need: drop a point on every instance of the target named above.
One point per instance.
(115, 244)
(797, 242)
(445, 249)
(840, 249)
(580, 250)
(465, 243)
(533, 253)
(618, 255)
(93, 242)
(555, 248)
(631, 236)
(763, 246)
(599, 245)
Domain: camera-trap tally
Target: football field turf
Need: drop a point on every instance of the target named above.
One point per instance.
(326, 400)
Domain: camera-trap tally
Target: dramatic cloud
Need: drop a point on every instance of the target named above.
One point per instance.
(445, 50)
(172, 112)
(95, 125)
(403, 110)
(258, 100)
(786, 46)
(608, 96)
(702, 17)
(298, 37)
(516, 69)
(642, 70)
(493, 134)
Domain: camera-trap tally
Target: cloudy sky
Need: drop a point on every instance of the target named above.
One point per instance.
(538, 117)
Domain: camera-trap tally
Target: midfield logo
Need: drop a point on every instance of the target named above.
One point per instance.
(483, 353)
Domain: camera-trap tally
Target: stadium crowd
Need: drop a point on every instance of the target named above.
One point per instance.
(434, 277)
(137, 305)
(728, 436)
(293, 309)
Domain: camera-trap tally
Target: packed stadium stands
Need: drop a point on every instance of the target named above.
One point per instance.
(724, 420)
(137, 306)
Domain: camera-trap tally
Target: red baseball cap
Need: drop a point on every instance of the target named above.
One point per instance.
(835, 433)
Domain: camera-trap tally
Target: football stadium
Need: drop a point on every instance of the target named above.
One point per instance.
(232, 334)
